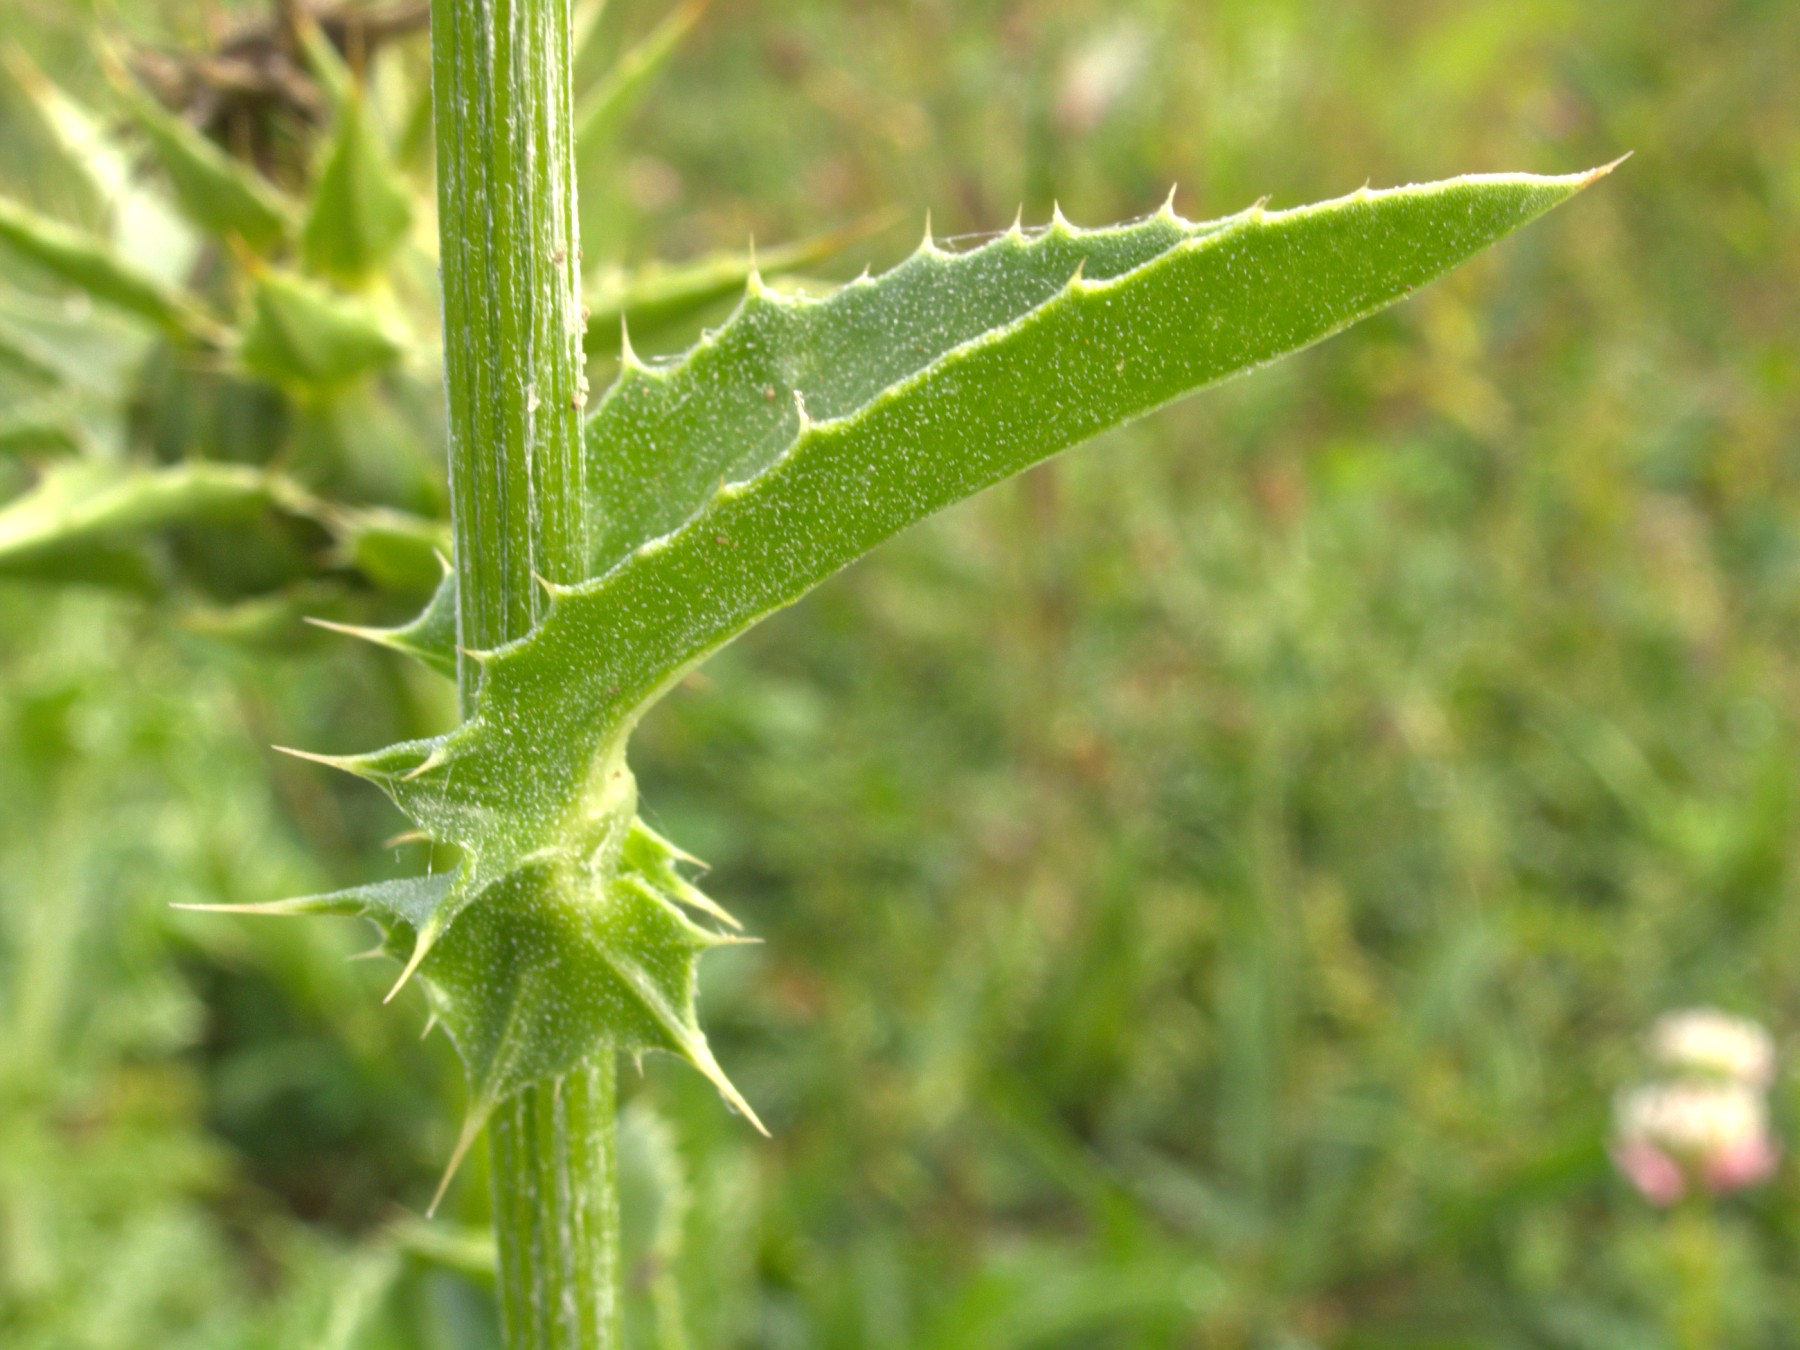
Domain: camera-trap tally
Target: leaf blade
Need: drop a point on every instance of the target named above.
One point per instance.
(562, 933)
(655, 297)
(1096, 354)
(220, 195)
(94, 268)
(303, 337)
(84, 506)
(360, 210)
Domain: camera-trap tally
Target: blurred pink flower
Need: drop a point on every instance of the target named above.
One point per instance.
(1657, 1176)
(1711, 1132)
(1749, 1163)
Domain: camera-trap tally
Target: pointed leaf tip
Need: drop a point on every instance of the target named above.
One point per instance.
(429, 638)
(422, 946)
(1594, 175)
(701, 1057)
(471, 1127)
(299, 905)
(357, 766)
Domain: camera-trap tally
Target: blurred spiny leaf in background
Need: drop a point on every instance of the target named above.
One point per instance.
(1393, 764)
(251, 223)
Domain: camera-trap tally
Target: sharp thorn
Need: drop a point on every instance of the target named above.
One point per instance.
(266, 908)
(472, 1124)
(342, 762)
(673, 849)
(1604, 169)
(734, 940)
(695, 898)
(354, 630)
(703, 1060)
(431, 1022)
(421, 946)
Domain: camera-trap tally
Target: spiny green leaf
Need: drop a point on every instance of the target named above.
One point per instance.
(732, 405)
(139, 217)
(85, 521)
(779, 450)
(216, 192)
(804, 433)
(88, 522)
(578, 947)
(37, 431)
(602, 110)
(398, 552)
(431, 637)
(304, 338)
(360, 209)
(558, 961)
(92, 267)
(651, 298)
(79, 507)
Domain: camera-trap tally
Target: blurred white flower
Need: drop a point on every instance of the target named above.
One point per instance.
(1671, 1136)
(1098, 75)
(1705, 1040)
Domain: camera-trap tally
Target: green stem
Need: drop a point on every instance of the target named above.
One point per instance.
(512, 308)
(556, 1211)
(504, 111)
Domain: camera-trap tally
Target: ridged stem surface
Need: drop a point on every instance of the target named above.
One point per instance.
(556, 1211)
(513, 373)
(512, 308)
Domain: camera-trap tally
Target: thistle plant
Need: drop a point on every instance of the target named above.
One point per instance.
(603, 542)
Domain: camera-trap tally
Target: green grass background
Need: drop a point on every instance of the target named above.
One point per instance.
(1212, 886)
